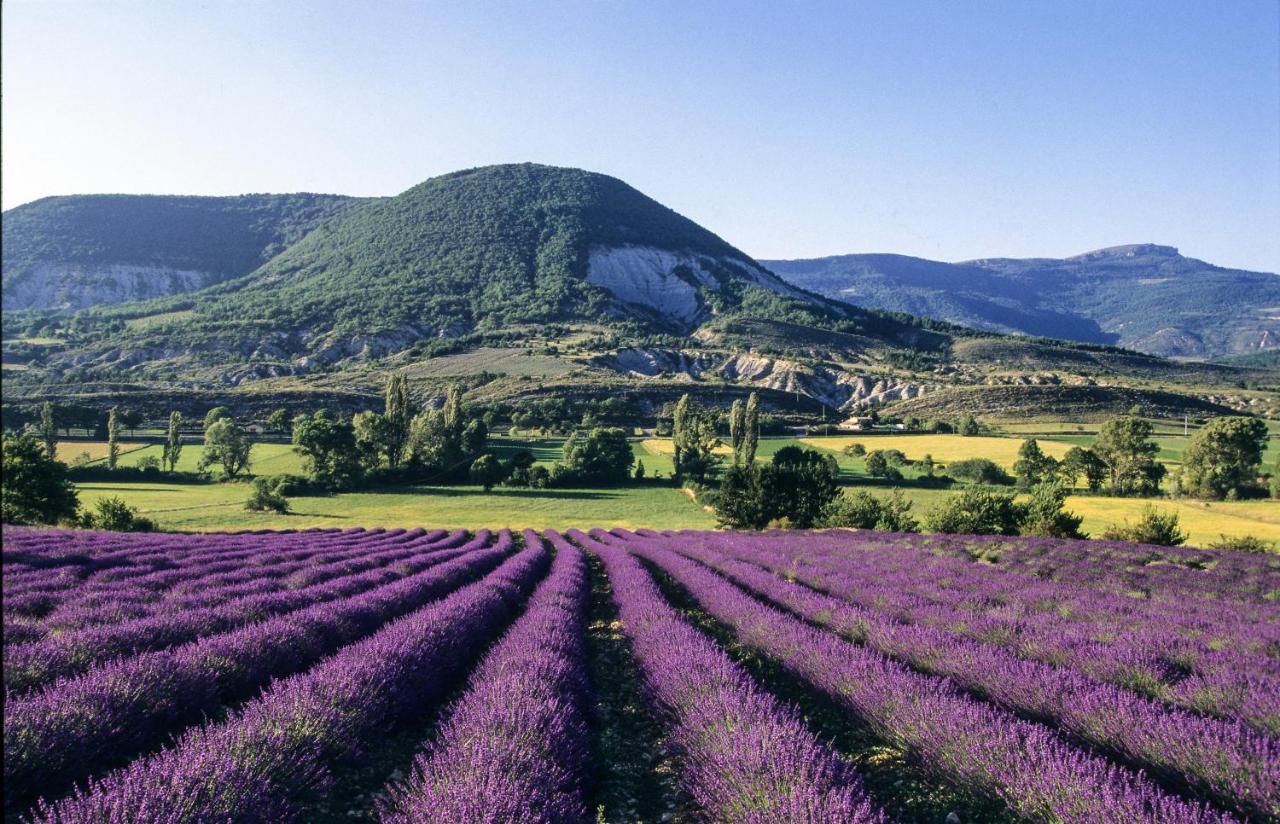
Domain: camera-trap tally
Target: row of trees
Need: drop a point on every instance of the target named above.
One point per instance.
(1223, 460)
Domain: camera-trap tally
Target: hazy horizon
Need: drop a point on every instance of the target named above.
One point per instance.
(950, 133)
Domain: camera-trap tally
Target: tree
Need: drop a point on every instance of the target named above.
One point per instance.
(801, 484)
(443, 441)
(927, 465)
(1224, 458)
(1125, 446)
(740, 502)
(398, 411)
(113, 437)
(34, 487)
(1046, 515)
(172, 442)
(855, 450)
(978, 471)
(328, 449)
(1033, 465)
(372, 435)
(678, 418)
(130, 420)
(737, 427)
(976, 512)
(603, 456)
(879, 466)
(694, 439)
(486, 471)
(48, 429)
(225, 445)
(639, 473)
(1152, 527)
(215, 414)
(859, 509)
(279, 421)
(797, 485)
(751, 429)
(1080, 461)
(969, 426)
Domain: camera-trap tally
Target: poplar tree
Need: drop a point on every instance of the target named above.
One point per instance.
(751, 429)
(173, 441)
(113, 437)
(398, 414)
(49, 430)
(737, 427)
(679, 430)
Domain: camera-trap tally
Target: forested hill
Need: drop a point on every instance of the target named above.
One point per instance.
(1143, 296)
(497, 246)
(91, 250)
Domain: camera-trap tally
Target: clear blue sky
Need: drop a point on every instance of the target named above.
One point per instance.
(944, 129)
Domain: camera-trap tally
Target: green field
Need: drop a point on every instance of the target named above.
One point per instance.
(207, 507)
(213, 506)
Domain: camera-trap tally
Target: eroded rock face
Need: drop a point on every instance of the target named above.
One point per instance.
(833, 387)
(671, 283)
(70, 286)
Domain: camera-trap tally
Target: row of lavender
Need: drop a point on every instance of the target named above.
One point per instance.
(516, 746)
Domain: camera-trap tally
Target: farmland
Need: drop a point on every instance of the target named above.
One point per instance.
(191, 506)
(412, 675)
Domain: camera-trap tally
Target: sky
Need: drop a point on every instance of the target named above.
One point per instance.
(949, 130)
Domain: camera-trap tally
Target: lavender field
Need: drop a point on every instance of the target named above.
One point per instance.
(447, 676)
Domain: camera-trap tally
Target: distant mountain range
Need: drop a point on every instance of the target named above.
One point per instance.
(1144, 297)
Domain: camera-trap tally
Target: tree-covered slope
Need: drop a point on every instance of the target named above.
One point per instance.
(492, 247)
(1144, 297)
(91, 250)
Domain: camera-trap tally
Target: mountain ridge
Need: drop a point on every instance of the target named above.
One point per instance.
(1147, 297)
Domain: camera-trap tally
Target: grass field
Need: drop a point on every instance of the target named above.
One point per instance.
(206, 507)
(943, 448)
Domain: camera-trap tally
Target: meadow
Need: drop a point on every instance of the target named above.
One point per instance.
(435, 675)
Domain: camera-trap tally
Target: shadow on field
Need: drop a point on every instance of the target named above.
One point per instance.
(514, 494)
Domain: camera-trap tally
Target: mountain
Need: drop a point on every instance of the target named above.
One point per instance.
(1144, 297)
(467, 253)
(93, 250)
(527, 282)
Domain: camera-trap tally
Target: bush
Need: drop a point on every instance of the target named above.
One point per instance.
(265, 498)
(1244, 543)
(1046, 515)
(149, 464)
(293, 486)
(977, 512)
(979, 471)
(1150, 528)
(114, 515)
(855, 450)
(859, 509)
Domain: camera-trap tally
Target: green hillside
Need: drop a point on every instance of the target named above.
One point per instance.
(76, 251)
